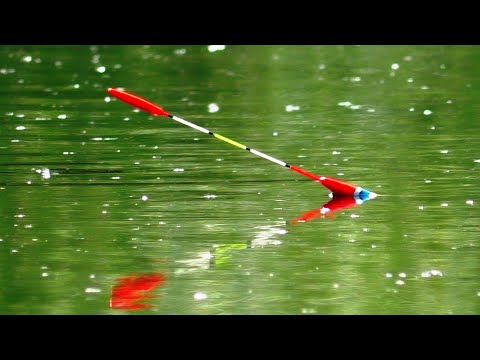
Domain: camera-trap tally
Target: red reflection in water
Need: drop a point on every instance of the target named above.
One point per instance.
(336, 204)
(130, 290)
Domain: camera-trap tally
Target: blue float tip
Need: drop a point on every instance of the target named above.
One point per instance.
(366, 195)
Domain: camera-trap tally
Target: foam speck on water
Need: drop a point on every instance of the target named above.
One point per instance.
(213, 108)
(45, 173)
(213, 48)
(200, 296)
(430, 273)
(290, 108)
(92, 290)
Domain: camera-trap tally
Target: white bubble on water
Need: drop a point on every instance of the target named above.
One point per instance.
(180, 51)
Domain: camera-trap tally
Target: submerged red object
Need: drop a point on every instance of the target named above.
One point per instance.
(131, 290)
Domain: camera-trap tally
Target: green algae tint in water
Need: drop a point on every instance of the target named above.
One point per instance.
(108, 210)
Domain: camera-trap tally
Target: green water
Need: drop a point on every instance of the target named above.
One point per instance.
(141, 210)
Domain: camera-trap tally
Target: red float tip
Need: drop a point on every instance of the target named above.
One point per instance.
(137, 101)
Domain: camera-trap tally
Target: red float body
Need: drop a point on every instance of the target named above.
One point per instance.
(137, 102)
(338, 187)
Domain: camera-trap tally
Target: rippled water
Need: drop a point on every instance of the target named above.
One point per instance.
(108, 210)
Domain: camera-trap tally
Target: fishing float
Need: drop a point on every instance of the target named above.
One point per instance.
(338, 187)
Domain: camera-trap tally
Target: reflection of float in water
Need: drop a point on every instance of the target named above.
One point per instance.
(337, 203)
(220, 255)
(131, 290)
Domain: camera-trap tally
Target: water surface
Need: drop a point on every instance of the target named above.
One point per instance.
(108, 210)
